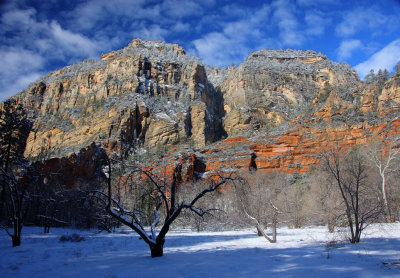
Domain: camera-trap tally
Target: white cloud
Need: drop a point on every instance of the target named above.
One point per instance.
(17, 59)
(347, 48)
(285, 18)
(219, 50)
(386, 58)
(23, 24)
(239, 30)
(316, 23)
(181, 27)
(22, 17)
(315, 2)
(181, 9)
(233, 10)
(19, 67)
(35, 44)
(152, 32)
(44, 37)
(273, 25)
(94, 14)
(232, 43)
(19, 84)
(362, 19)
(75, 44)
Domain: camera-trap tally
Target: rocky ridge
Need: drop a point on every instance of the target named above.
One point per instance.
(148, 94)
(154, 104)
(274, 86)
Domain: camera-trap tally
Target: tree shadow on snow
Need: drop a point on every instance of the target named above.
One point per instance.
(315, 260)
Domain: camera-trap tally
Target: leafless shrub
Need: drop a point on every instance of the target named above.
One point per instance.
(349, 171)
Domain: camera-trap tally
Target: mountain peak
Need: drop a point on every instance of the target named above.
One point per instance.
(158, 50)
(288, 54)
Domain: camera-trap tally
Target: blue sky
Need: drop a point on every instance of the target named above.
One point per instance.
(38, 36)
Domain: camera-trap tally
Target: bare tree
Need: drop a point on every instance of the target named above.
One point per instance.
(349, 170)
(260, 229)
(18, 183)
(326, 199)
(292, 199)
(383, 157)
(162, 195)
(256, 195)
(216, 209)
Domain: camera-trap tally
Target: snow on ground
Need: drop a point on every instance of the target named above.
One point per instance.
(308, 252)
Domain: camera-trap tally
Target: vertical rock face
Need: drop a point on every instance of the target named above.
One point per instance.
(389, 99)
(273, 86)
(84, 168)
(148, 94)
(278, 109)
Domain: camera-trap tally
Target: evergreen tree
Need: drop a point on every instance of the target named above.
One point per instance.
(386, 74)
(397, 68)
(14, 130)
(370, 77)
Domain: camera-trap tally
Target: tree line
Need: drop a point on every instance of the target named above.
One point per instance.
(381, 76)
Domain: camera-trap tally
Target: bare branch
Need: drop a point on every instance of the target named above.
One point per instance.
(155, 223)
(210, 189)
(159, 188)
(159, 196)
(5, 229)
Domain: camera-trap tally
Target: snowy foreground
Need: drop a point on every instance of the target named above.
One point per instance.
(308, 252)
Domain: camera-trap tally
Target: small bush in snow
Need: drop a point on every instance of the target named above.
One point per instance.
(333, 244)
(72, 238)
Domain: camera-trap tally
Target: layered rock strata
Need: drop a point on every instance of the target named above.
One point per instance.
(154, 104)
(149, 94)
(274, 86)
(296, 151)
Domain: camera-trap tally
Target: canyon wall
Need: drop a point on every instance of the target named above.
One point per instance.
(155, 105)
(148, 94)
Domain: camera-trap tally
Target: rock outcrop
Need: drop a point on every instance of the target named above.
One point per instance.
(149, 94)
(296, 151)
(153, 103)
(389, 99)
(274, 86)
(81, 169)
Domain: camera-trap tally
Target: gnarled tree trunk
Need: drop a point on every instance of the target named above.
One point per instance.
(260, 230)
(157, 250)
(171, 208)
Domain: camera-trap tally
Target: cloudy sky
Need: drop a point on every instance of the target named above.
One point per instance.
(38, 36)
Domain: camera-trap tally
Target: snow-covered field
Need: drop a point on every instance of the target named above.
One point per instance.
(308, 252)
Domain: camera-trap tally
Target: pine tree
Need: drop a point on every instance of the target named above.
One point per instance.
(386, 74)
(397, 68)
(14, 130)
(370, 77)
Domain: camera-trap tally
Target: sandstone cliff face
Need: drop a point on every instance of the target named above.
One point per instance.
(297, 151)
(274, 86)
(149, 93)
(152, 103)
(389, 99)
(337, 118)
(81, 169)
